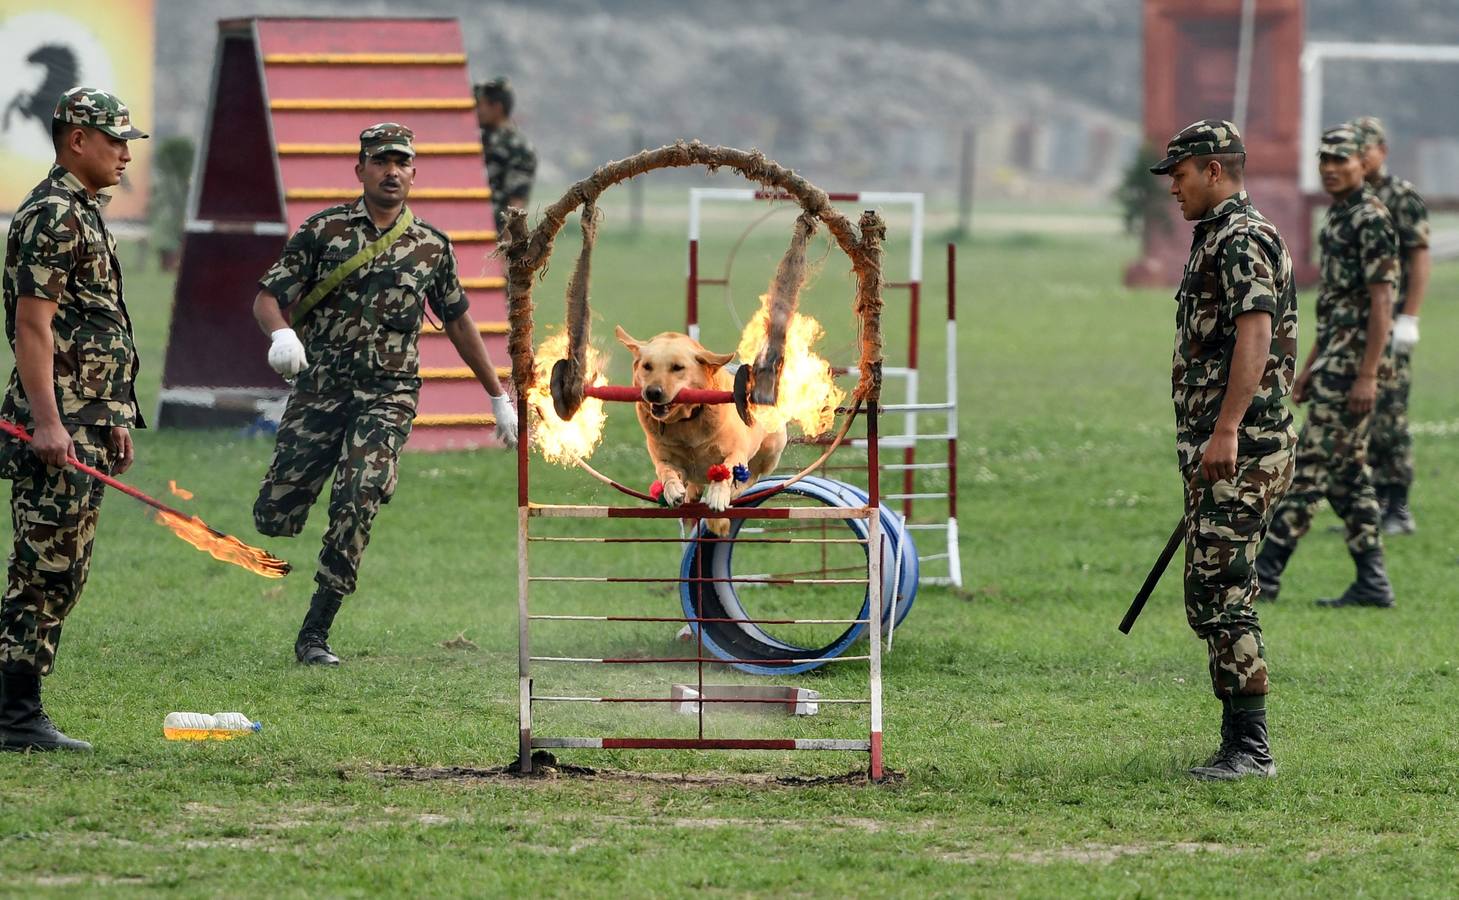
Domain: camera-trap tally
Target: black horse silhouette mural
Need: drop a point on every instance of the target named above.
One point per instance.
(62, 74)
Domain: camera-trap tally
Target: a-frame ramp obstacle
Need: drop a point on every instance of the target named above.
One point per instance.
(288, 101)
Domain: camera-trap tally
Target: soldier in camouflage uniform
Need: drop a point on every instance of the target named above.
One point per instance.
(73, 387)
(1340, 377)
(1235, 351)
(349, 413)
(511, 163)
(1390, 448)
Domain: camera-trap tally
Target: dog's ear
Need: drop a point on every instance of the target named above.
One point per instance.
(712, 361)
(633, 344)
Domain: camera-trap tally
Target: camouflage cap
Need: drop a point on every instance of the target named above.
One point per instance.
(1370, 131)
(1203, 138)
(97, 109)
(387, 137)
(1342, 141)
(493, 88)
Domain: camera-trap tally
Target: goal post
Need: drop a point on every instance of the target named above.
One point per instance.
(1316, 57)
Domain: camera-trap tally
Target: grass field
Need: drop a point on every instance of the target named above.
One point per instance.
(1043, 753)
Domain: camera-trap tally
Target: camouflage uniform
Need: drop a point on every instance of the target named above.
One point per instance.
(511, 164)
(1390, 448)
(1238, 265)
(351, 411)
(1359, 249)
(58, 249)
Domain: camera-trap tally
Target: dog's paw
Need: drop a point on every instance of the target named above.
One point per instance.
(717, 495)
(673, 492)
(717, 527)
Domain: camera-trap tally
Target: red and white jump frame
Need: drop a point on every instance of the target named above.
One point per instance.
(526, 253)
(528, 511)
(913, 409)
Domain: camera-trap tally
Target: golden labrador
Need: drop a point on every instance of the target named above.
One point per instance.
(685, 440)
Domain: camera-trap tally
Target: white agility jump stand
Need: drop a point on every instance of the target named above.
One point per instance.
(914, 411)
(526, 661)
(526, 254)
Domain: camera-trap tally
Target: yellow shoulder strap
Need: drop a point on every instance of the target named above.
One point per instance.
(370, 251)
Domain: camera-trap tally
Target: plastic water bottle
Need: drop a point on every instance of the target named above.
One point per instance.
(191, 726)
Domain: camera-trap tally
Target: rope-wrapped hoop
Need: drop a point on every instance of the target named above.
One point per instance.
(527, 252)
(784, 298)
(569, 374)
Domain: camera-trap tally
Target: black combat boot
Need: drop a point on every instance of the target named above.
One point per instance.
(1397, 519)
(1270, 563)
(24, 725)
(1226, 733)
(1371, 586)
(1245, 753)
(312, 646)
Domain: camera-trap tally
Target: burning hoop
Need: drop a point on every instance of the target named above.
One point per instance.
(563, 379)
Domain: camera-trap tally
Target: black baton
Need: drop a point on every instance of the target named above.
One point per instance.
(1177, 538)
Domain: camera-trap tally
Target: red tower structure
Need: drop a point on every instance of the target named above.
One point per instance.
(1191, 68)
(288, 101)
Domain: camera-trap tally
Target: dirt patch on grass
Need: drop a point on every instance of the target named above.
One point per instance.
(88, 880)
(854, 823)
(545, 767)
(1099, 854)
(460, 642)
(271, 827)
(227, 843)
(615, 824)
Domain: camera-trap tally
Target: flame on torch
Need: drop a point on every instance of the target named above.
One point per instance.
(223, 547)
(190, 528)
(564, 443)
(808, 392)
(184, 493)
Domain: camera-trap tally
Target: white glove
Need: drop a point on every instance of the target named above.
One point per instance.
(505, 412)
(286, 354)
(1405, 333)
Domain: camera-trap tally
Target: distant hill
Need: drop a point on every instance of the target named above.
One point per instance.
(849, 93)
(872, 94)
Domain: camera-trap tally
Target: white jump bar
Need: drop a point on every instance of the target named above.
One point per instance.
(575, 743)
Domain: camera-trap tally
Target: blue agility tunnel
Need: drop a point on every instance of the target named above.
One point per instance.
(721, 600)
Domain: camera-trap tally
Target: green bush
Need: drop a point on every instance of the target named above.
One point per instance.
(1141, 195)
(172, 175)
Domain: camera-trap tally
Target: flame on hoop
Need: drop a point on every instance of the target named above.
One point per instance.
(808, 392)
(564, 443)
(224, 547)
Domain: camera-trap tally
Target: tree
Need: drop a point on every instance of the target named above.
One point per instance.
(172, 171)
(1140, 194)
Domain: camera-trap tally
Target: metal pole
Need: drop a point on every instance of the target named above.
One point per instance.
(967, 169)
(954, 558)
(909, 453)
(699, 571)
(524, 661)
(952, 380)
(874, 589)
(691, 324)
(1243, 63)
(1311, 118)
